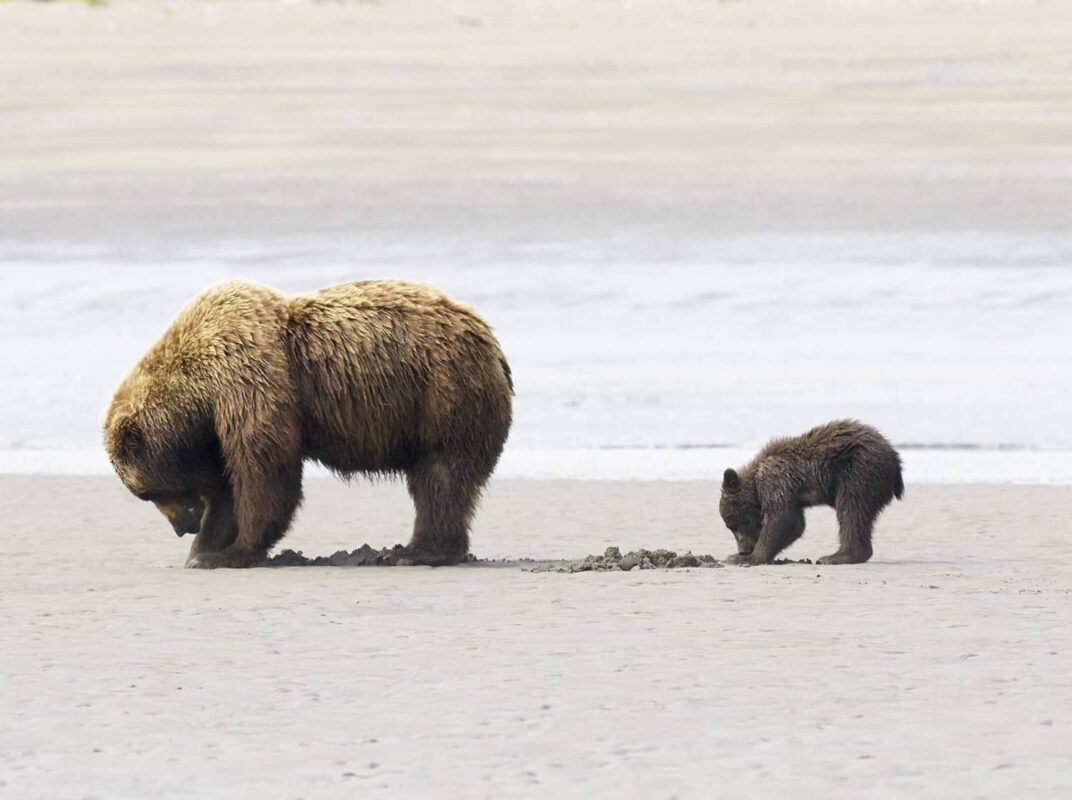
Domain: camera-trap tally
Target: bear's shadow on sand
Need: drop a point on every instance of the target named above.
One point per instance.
(611, 560)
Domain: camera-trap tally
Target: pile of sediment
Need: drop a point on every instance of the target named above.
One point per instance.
(612, 559)
(364, 556)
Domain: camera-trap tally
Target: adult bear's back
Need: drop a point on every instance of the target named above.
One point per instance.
(388, 371)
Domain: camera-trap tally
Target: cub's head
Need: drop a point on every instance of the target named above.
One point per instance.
(740, 510)
(152, 473)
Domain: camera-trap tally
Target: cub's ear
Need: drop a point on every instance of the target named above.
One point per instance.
(731, 480)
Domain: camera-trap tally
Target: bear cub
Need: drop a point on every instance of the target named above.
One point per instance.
(844, 464)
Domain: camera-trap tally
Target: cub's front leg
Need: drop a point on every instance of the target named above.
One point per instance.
(780, 529)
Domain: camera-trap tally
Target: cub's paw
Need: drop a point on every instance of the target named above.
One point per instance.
(841, 557)
(756, 561)
(225, 559)
(747, 561)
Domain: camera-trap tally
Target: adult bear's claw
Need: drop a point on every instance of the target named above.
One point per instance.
(230, 558)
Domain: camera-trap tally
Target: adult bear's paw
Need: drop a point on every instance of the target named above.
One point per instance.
(231, 558)
(433, 557)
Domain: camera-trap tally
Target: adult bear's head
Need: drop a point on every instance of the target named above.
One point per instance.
(160, 465)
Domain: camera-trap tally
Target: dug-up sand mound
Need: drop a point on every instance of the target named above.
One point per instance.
(612, 559)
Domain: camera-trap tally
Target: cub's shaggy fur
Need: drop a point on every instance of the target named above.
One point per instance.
(844, 464)
(215, 420)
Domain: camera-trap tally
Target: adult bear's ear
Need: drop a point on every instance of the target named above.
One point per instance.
(130, 441)
(731, 480)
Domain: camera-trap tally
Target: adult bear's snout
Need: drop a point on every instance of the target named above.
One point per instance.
(186, 525)
(184, 518)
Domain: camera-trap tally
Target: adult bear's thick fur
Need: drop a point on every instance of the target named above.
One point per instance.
(214, 422)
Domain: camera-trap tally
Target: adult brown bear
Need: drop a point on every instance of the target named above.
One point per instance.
(214, 422)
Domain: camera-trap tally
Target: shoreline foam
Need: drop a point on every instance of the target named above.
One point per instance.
(938, 465)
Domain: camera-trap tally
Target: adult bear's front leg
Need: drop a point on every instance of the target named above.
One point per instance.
(261, 450)
(263, 508)
(218, 528)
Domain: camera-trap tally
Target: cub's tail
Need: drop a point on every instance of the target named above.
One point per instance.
(898, 486)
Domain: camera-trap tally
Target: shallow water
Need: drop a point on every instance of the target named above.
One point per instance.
(671, 363)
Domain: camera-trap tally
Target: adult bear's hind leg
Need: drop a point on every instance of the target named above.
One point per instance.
(262, 452)
(444, 500)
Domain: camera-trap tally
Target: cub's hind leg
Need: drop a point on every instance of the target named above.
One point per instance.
(856, 521)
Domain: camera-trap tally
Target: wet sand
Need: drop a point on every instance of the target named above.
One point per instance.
(520, 130)
(938, 669)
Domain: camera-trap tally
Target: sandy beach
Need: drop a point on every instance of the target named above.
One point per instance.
(937, 670)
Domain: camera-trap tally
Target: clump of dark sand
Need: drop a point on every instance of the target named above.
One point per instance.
(364, 556)
(612, 559)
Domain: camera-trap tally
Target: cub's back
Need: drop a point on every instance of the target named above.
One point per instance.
(818, 461)
(827, 443)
